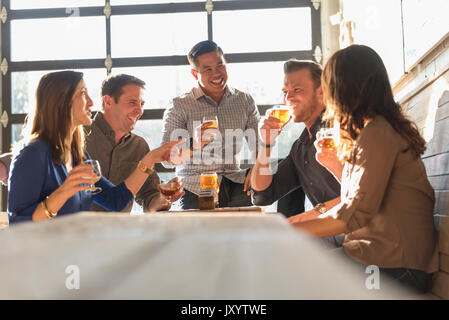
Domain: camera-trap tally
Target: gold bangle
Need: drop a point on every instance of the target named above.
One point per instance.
(144, 168)
(48, 213)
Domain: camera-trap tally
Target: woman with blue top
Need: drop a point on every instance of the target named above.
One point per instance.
(47, 177)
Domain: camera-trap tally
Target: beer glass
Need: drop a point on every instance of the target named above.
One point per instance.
(328, 137)
(97, 171)
(209, 180)
(280, 112)
(213, 120)
(168, 189)
(211, 123)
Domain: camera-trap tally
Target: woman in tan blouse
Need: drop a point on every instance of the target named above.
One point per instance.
(386, 209)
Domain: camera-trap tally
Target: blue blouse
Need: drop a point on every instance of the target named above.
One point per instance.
(33, 176)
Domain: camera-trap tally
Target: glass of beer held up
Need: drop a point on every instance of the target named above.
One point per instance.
(212, 122)
(280, 112)
(328, 136)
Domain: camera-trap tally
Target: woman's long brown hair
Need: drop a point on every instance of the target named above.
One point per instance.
(356, 88)
(52, 117)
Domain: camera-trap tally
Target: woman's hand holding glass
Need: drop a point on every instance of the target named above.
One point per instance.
(79, 179)
(326, 145)
(92, 190)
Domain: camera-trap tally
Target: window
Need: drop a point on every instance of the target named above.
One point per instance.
(58, 39)
(156, 35)
(263, 30)
(150, 39)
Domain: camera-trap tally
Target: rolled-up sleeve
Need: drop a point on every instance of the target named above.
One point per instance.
(173, 119)
(252, 124)
(284, 181)
(365, 182)
(148, 191)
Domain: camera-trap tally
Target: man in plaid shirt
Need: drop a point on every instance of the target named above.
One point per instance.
(237, 116)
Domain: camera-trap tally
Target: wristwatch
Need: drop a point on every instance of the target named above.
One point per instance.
(143, 167)
(321, 208)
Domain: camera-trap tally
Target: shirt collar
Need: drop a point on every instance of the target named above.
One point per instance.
(197, 92)
(313, 129)
(104, 127)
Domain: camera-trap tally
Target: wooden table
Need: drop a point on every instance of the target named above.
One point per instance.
(248, 255)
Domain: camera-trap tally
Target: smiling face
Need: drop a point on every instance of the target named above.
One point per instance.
(302, 97)
(211, 74)
(123, 114)
(81, 103)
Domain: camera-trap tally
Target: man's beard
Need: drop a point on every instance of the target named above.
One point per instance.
(307, 111)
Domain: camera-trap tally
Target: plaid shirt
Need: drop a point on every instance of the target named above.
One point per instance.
(236, 110)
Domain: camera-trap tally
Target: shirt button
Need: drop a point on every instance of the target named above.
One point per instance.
(311, 182)
(306, 162)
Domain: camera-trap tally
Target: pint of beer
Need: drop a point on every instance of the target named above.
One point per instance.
(212, 122)
(282, 113)
(209, 180)
(329, 138)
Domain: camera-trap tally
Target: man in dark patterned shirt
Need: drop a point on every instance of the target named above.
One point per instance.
(303, 94)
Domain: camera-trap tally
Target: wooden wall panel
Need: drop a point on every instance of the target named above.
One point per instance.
(444, 262)
(443, 234)
(442, 203)
(437, 165)
(439, 183)
(441, 285)
(440, 140)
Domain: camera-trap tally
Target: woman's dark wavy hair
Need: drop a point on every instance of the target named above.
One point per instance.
(356, 87)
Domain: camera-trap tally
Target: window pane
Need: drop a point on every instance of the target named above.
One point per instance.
(159, 34)
(24, 85)
(58, 38)
(264, 89)
(16, 132)
(162, 83)
(40, 4)
(151, 131)
(425, 24)
(263, 30)
(374, 19)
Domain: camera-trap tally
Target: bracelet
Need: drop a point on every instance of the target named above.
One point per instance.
(48, 213)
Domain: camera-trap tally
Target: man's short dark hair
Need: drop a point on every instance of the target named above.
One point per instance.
(113, 85)
(315, 69)
(201, 48)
